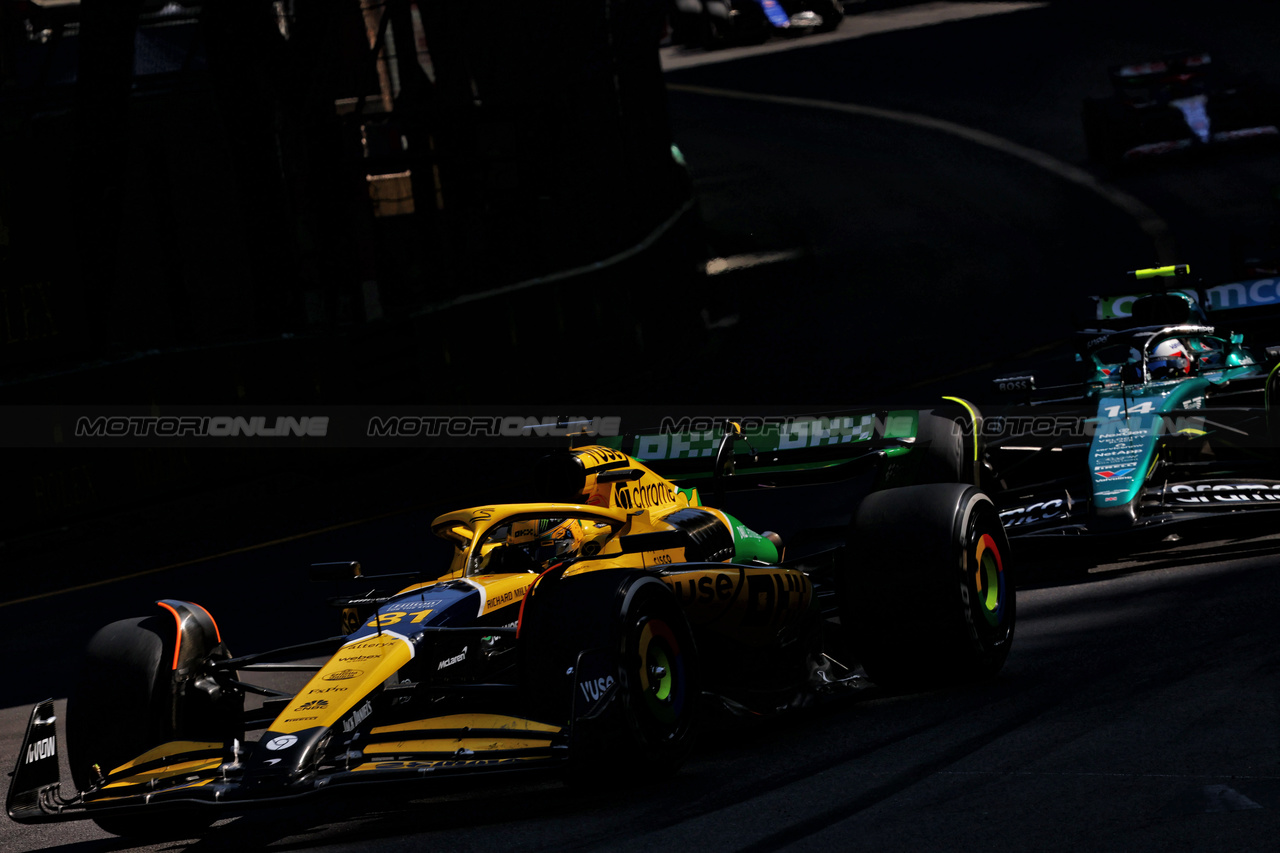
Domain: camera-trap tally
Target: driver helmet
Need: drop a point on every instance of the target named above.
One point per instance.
(546, 539)
(1169, 359)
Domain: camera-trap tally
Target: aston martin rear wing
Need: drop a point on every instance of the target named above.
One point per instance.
(1233, 302)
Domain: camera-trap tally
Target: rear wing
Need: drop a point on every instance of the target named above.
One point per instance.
(1167, 302)
(1141, 74)
(791, 448)
(1249, 300)
(1258, 294)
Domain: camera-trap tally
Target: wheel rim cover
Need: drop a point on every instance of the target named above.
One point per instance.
(664, 694)
(989, 579)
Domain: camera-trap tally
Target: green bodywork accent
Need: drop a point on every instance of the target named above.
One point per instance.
(792, 466)
(802, 433)
(749, 545)
(771, 442)
(902, 423)
(1130, 429)
(1236, 362)
(1235, 358)
(1119, 306)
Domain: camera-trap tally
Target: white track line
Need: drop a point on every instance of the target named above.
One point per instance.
(1148, 220)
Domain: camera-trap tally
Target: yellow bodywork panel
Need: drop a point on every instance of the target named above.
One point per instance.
(171, 749)
(658, 559)
(470, 551)
(452, 745)
(631, 499)
(438, 763)
(345, 680)
(468, 721)
(179, 769)
(503, 590)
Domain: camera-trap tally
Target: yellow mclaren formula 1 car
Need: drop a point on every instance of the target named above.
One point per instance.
(587, 635)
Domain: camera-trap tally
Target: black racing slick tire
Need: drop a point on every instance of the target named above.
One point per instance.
(1102, 121)
(657, 682)
(952, 445)
(926, 590)
(1271, 400)
(127, 701)
(832, 12)
(612, 655)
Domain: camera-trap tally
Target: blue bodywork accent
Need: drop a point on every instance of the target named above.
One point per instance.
(775, 13)
(450, 603)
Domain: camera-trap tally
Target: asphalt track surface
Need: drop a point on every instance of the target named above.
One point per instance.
(883, 250)
(1138, 710)
(930, 190)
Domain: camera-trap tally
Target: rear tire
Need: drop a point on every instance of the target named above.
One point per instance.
(926, 593)
(952, 437)
(1271, 399)
(832, 12)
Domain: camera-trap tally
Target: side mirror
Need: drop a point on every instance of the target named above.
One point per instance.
(725, 465)
(619, 475)
(329, 572)
(345, 571)
(724, 453)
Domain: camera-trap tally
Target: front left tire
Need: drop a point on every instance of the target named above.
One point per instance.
(926, 586)
(128, 700)
(612, 655)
